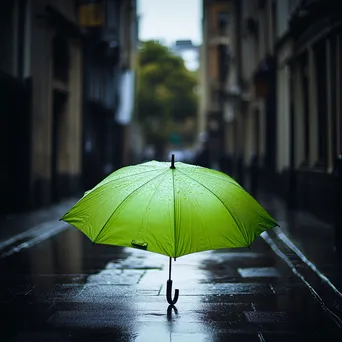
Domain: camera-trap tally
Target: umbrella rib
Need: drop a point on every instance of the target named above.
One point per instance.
(112, 214)
(221, 178)
(232, 182)
(154, 193)
(243, 232)
(174, 209)
(120, 178)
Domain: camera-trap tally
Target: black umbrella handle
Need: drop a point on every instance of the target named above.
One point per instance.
(169, 293)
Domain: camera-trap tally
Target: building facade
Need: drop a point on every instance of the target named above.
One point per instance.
(41, 102)
(214, 61)
(314, 113)
(109, 87)
(281, 103)
(61, 83)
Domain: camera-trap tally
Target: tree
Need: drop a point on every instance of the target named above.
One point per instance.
(165, 95)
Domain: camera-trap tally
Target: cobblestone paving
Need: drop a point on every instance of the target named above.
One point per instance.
(66, 289)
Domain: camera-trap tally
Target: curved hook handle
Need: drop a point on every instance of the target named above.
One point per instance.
(168, 293)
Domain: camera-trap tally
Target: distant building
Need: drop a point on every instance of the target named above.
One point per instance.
(188, 51)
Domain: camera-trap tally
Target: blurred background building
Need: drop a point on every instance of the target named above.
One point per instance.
(66, 94)
(215, 55)
(271, 79)
(188, 51)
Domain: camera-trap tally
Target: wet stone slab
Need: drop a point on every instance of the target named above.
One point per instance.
(266, 317)
(227, 289)
(289, 287)
(286, 336)
(232, 336)
(49, 279)
(119, 295)
(56, 291)
(116, 277)
(236, 257)
(90, 319)
(9, 293)
(105, 292)
(202, 337)
(259, 272)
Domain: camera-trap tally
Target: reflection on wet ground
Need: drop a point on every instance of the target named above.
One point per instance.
(66, 289)
(313, 237)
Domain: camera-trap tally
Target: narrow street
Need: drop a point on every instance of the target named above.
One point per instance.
(249, 87)
(67, 289)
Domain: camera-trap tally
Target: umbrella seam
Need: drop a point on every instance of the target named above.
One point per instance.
(157, 188)
(120, 178)
(242, 231)
(111, 215)
(233, 182)
(97, 188)
(222, 177)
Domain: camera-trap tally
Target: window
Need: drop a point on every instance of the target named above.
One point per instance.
(222, 22)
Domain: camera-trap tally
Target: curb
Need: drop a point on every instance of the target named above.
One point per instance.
(324, 291)
(45, 226)
(31, 237)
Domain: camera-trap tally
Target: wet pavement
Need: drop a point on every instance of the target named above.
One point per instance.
(312, 237)
(308, 245)
(67, 289)
(33, 226)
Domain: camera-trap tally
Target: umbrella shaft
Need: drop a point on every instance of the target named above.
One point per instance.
(170, 268)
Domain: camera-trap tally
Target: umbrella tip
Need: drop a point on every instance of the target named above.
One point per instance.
(172, 162)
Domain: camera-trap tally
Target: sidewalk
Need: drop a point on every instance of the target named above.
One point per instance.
(18, 229)
(309, 245)
(106, 293)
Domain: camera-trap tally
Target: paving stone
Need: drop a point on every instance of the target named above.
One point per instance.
(227, 289)
(224, 296)
(265, 317)
(259, 272)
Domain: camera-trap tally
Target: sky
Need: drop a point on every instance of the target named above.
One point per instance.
(171, 20)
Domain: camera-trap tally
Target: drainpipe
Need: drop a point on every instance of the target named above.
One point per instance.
(292, 189)
(338, 204)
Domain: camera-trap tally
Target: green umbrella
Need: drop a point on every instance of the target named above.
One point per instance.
(172, 210)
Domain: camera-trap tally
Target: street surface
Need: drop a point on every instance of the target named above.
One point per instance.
(67, 289)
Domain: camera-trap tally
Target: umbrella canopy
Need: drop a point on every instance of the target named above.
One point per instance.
(173, 211)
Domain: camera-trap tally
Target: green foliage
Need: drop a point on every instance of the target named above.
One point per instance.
(165, 94)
